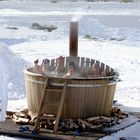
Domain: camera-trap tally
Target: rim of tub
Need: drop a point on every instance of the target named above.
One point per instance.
(79, 61)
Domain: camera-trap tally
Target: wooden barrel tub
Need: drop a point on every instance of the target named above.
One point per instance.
(85, 97)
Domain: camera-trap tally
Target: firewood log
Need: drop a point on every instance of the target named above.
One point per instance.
(75, 126)
(97, 126)
(69, 124)
(9, 113)
(91, 119)
(107, 119)
(85, 123)
(22, 121)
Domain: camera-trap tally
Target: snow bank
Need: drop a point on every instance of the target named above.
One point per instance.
(12, 73)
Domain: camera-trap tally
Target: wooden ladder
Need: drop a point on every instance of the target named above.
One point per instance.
(60, 105)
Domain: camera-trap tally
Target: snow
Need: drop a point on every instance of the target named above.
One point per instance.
(116, 27)
(3, 90)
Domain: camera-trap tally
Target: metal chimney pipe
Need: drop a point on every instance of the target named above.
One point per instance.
(73, 42)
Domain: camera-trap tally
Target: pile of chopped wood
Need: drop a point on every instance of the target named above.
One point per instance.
(87, 124)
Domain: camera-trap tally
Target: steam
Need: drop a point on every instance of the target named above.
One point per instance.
(76, 18)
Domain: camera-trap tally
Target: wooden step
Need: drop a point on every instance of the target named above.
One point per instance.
(54, 90)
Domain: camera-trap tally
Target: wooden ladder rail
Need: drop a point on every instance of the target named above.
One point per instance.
(60, 106)
(37, 127)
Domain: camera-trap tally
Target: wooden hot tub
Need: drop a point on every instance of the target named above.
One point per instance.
(85, 97)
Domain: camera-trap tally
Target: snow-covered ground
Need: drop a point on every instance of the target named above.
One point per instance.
(116, 27)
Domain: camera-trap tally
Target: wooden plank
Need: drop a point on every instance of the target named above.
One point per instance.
(82, 68)
(60, 64)
(78, 94)
(67, 60)
(82, 61)
(60, 107)
(87, 63)
(112, 70)
(37, 127)
(52, 64)
(102, 67)
(137, 114)
(107, 69)
(92, 61)
(10, 128)
(98, 63)
(54, 90)
(70, 59)
(75, 60)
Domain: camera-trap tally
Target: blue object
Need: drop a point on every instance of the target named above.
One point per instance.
(34, 132)
(22, 129)
(77, 133)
